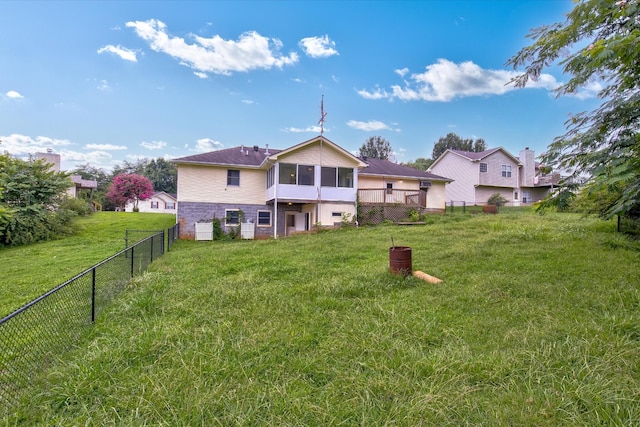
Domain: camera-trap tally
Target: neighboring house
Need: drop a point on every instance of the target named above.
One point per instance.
(160, 202)
(383, 183)
(279, 191)
(477, 176)
(77, 183)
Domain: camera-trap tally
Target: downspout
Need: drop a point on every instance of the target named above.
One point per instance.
(276, 181)
(318, 189)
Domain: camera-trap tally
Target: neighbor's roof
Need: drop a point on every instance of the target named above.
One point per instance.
(475, 156)
(237, 156)
(378, 167)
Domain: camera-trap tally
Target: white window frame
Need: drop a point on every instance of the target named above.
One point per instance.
(258, 218)
(506, 171)
(226, 216)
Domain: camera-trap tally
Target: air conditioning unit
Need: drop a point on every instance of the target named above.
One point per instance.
(425, 184)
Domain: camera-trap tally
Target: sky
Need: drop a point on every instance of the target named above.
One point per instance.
(104, 82)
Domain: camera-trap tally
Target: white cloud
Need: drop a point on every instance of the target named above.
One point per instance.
(248, 101)
(105, 147)
(402, 72)
(153, 145)
(14, 94)
(103, 85)
(318, 47)
(315, 129)
(205, 144)
(372, 125)
(446, 80)
(377, 93)
(122, 52)
(589, 91)
(215, 55)
(201, 74)
(20, 145)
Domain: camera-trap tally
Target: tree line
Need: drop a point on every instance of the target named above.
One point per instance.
(376, 147)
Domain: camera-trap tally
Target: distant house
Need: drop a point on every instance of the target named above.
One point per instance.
(160, 202)
(477, 176)
(393, 186)
(77, 183)
(287, 191)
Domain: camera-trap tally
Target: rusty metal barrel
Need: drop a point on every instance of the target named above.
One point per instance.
(400, 260)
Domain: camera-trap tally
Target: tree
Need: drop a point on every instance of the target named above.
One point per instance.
(597, 45)
(455, 142)
(127, 188)
(420, 163)
(30, 201)
(162, 174)
(376, 147)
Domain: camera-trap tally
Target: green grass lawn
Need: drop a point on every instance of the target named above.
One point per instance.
(27, 272)
(537, 323)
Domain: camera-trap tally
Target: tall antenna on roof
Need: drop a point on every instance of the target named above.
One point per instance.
(322, 116)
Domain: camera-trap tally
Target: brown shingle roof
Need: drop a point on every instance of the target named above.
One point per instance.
(387, 168)
(475, 155)
(236, 156)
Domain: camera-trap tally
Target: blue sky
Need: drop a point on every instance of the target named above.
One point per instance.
(104, 82)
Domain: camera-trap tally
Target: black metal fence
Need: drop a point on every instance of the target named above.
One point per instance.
(36, 335)
(455, 206)
(629, 225)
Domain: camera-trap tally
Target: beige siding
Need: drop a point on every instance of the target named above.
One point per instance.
(463, 172)
(436, 196)
(209, 184)
(312, 154)
(483, 194)
(326, 210)
(493, 176)
(381, 182)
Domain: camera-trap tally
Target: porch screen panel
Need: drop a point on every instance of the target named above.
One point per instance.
(328, 177)
(287, 173)
(305, 175)
(345, 177)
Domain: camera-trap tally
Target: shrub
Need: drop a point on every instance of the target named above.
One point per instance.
(79, 206)
(497, 199)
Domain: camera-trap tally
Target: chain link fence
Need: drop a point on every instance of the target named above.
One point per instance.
(36, 335)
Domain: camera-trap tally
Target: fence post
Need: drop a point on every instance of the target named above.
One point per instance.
(162, 242)
(93, 295)
(151, 251)
(464, 207)
(132, 263)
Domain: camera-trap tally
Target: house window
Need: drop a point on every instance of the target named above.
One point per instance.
(338, 214)
(287, 173)
(506, 171)
(328, 177)
(483, 167)
(515, 195)
(170, 205)
(345, 177)
(155, 205)
(264, 218)
(233, 177)
(271, 176)
(389, 187)
(232, 216)
(306, 174)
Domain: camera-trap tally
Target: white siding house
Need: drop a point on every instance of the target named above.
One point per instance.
(477, 176)
(160, 202)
